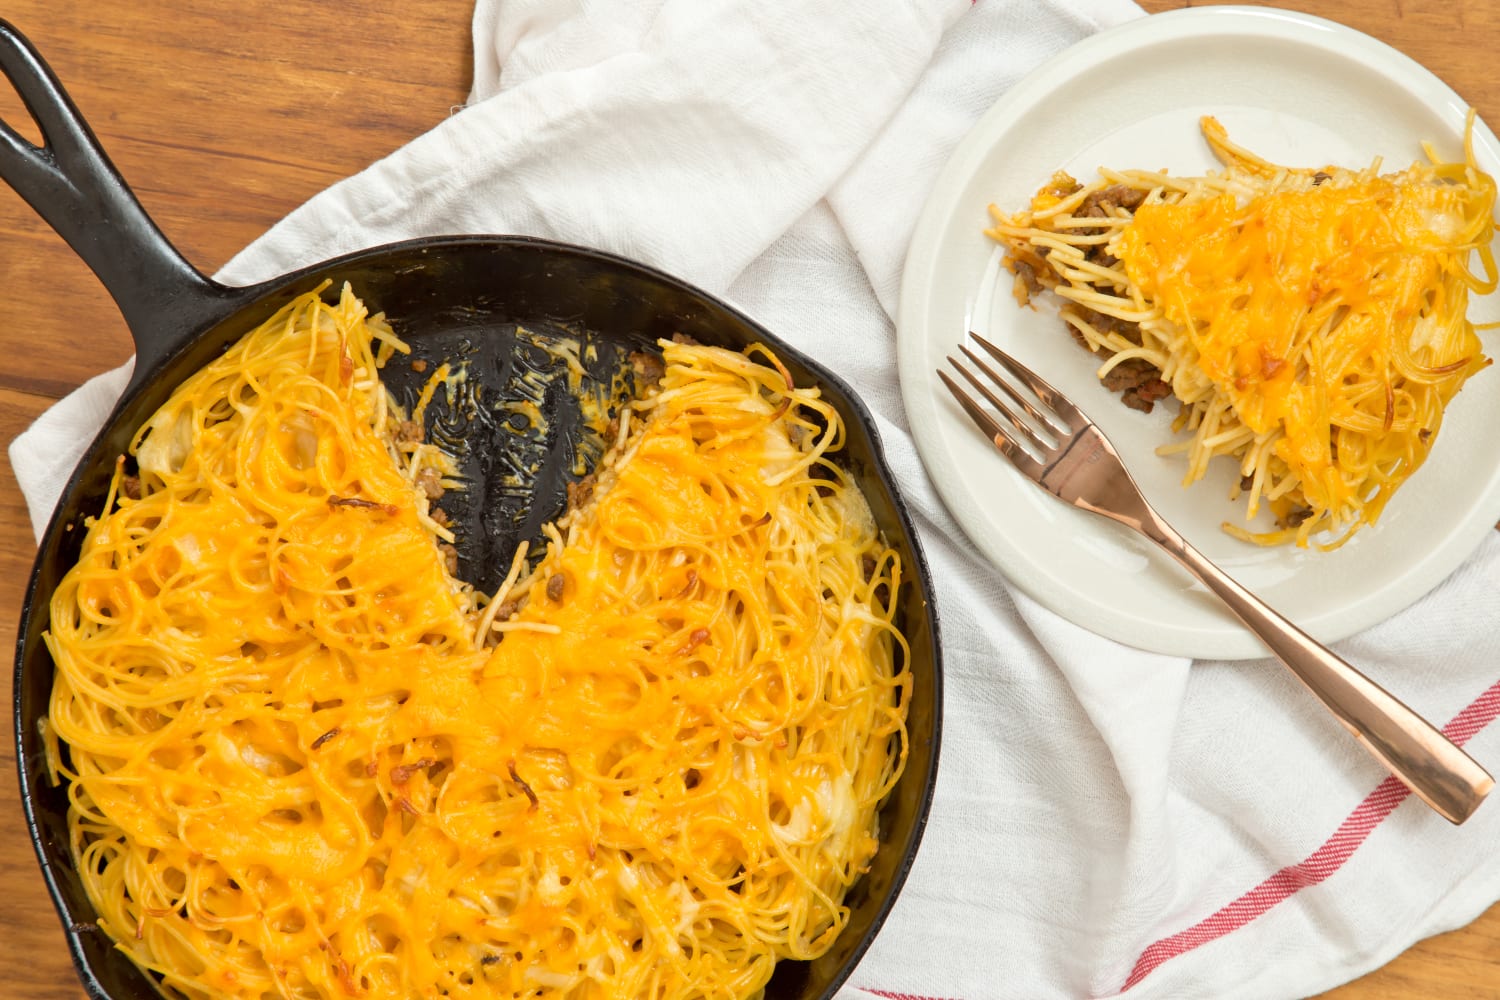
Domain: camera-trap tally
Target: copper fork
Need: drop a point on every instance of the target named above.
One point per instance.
(1084, 469)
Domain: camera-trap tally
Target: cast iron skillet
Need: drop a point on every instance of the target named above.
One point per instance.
(452, 297)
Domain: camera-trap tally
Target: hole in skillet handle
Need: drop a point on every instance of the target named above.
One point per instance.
(16, 117)
(73, 186)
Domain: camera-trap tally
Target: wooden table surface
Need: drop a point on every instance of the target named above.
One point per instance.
(224, 117)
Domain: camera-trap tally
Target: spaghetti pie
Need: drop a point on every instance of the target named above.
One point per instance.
(306, 762)
(1311, 323)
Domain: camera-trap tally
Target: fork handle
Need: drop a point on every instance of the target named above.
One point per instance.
(1441, 774)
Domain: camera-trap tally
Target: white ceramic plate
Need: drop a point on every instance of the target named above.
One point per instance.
(1298, 90)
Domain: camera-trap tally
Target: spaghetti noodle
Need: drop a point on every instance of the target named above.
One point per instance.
(1311, 323)
(305, 762)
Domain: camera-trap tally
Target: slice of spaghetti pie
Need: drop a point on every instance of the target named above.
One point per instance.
(1312, 323)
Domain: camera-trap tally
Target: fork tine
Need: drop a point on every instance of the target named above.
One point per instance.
(991, 427)
(977, 413)
(1044, 390)
(1049, 421)
(1005, 411)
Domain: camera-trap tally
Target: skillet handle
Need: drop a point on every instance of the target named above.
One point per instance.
(72, 185)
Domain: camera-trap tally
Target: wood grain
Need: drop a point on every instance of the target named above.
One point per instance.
(224, 117)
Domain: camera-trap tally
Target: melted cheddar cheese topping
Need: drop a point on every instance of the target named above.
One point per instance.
(305, 762)
(1360, 265)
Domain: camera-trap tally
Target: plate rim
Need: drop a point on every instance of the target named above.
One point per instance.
(1223, 642)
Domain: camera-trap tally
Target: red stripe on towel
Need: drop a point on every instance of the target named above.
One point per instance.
(1321, 863)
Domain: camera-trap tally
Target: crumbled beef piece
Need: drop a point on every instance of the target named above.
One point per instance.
(402, 773)
(440, 517)
(1027, 284)
(130, 487)
(1144, 396)
(1097, 254)
(581, 492)
(648, 368)
(682, 338)
(1128, 198)
(1295, 518)
(1105, 323)
(450, 557)
(418, 365)
(1246, 482)
(1321, 176)
(429, 482)
(1102, 202)
(340, 502)
(1138, 382)
(555, 584)
(698, 637)
(409, 432)
(1128, 374)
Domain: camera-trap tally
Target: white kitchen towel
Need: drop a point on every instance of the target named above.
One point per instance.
(1107, 821)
